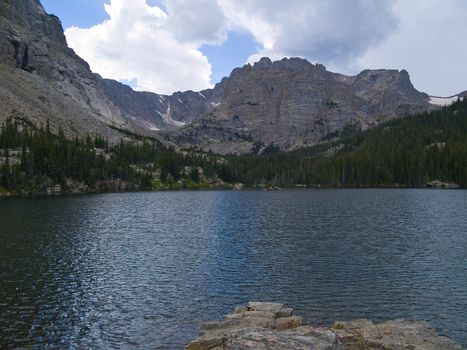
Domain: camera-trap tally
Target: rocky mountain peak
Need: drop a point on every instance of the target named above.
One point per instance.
(385, 78)
(292, 63)
(293, 103)
(264, 62)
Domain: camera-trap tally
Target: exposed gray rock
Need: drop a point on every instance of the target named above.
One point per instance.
(265, 307)
(397, 334)
(262, 326)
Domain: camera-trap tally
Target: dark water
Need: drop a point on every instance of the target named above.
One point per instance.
(142, 270)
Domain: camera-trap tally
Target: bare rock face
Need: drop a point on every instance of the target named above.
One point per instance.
(271, 326)
(43, 78)
(292, 103)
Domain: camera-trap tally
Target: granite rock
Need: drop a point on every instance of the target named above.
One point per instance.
(263, 326)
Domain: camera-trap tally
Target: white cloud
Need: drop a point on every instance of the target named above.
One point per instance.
(197, 22)
(430, 45)
(135, 44)
(161, 49)
(331, 32)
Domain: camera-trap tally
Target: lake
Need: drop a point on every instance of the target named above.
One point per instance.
(143, 270)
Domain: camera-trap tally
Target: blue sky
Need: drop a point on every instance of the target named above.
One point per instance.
(171, 45)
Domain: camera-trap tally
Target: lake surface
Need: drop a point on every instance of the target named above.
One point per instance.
(142, 270)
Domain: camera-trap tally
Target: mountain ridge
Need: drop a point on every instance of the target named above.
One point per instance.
(293, 103)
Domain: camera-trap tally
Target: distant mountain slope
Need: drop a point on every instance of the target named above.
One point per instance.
(41, 78)
(161, 112)
(426, 149)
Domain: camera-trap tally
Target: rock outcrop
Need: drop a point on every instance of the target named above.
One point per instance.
(272, 326)
(42, 78)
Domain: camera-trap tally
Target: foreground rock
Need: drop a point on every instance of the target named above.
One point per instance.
(273, 326)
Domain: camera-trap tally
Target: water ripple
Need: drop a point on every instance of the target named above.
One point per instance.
(142, 270)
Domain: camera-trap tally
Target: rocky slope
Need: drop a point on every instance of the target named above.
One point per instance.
(161, 112)
(292, 103)
(41, 78)
(272, 326)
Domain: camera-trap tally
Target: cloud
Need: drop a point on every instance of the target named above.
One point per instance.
(331, 32)
(197, 22)
(161, 49)
(137, 43)
(429, 44)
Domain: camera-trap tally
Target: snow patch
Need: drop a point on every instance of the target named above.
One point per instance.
(199, 93)
(443, 101)
(153, 127)
(214, 104)
(180, 101)
(168, 119)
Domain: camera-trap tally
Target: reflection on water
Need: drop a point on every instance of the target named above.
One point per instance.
(142, 270)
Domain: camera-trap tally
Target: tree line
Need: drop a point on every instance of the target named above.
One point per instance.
(31, 158)
(407, 152)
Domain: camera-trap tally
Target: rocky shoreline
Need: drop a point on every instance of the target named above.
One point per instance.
(272, 326)
(119, 186)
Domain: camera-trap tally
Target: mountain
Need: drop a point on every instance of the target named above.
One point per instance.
(292, 104)
(287, 104)
(42, 78)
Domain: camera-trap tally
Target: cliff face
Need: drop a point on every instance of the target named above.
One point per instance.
(292, 103)
(43, 78)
